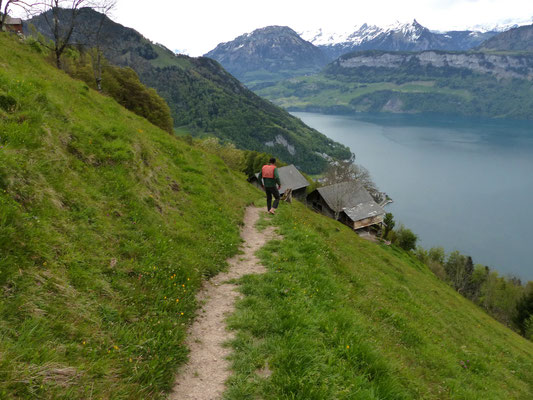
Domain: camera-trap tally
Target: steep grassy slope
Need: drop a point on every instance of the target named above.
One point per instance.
(337, 317)
(204, 97)
(108, 225)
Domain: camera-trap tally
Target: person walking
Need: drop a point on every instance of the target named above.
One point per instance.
(269, 178)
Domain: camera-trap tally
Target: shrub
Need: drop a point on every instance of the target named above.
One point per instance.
(404, 238)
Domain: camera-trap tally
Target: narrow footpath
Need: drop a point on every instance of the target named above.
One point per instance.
(203, 377)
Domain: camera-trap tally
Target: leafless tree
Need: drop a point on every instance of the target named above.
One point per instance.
(62, 28)
(340, 171)
(105, 8)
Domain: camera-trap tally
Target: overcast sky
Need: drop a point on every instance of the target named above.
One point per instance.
(197, 26)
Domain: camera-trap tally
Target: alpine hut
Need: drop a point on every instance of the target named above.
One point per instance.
(291, 179)
(348, 202)
(12, 24)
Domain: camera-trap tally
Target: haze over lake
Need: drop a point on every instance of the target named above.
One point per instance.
(464, 184)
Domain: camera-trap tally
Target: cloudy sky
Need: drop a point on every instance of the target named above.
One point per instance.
(197, 26)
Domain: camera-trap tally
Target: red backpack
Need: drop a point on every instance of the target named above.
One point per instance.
(268, 171)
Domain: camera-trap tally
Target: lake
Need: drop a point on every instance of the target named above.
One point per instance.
(463, 184)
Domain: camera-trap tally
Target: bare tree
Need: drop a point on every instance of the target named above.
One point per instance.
(62, 28)
(105, 7)
(347, 170)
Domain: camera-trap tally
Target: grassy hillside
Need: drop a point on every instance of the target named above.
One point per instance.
(337, 317)
(108, 225)
(410, 88)
(206, 99)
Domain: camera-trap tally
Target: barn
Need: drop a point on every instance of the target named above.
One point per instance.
(13, 24)
(290, 178)
(349, 203)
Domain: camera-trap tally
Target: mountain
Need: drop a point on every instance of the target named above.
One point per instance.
(272, 52)
(205, 97)
(516, 39)
(398, 37)
(468, 83)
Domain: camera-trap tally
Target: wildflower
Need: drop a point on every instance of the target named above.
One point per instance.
(177, 300)
(131, 360)
(165, 297)
(348, 346)
(83, 342)
(181, 314)
(115, 347)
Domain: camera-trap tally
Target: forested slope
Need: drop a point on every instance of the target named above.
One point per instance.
(461, 83)
(205, 98)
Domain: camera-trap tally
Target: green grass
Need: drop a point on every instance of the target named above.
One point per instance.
(108, 226)
(337, 317)
(321, 91)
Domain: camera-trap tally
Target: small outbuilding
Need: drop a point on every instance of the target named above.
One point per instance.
(13, 24)
(348, 202)
(291, 179)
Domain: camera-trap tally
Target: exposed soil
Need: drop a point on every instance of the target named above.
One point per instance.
(203, 377)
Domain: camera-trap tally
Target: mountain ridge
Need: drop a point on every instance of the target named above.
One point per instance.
(495, 85)
(274, 49)
(206, 98)
(516, 39)
(410, 36)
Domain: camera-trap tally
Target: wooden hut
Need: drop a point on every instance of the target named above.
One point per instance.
(349, 203)
(13, 24)
(290, 178)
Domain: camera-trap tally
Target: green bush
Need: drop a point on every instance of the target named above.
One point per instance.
(404, 238)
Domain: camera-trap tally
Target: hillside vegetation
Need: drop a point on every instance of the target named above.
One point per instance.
(402, 83)
(108, 225)
(338, 317)
(206, 99)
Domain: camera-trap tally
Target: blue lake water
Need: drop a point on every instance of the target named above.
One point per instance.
(464, 184)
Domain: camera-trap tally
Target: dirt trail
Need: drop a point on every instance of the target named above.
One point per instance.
(203, 377)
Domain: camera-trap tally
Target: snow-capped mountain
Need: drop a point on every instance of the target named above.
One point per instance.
(503, 26)
(269, 51)
(396, 37)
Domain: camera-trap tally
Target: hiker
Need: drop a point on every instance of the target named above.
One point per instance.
(269, 178)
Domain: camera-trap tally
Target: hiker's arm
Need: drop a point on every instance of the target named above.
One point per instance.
(276, 176)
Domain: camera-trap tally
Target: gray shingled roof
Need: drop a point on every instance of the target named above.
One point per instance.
(344, 195)
(13, 21)
(364, 210)
(290, 178)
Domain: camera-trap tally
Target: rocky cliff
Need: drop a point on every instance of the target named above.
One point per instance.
(500, 66)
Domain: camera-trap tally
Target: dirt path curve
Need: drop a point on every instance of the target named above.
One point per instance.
(203, 377)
